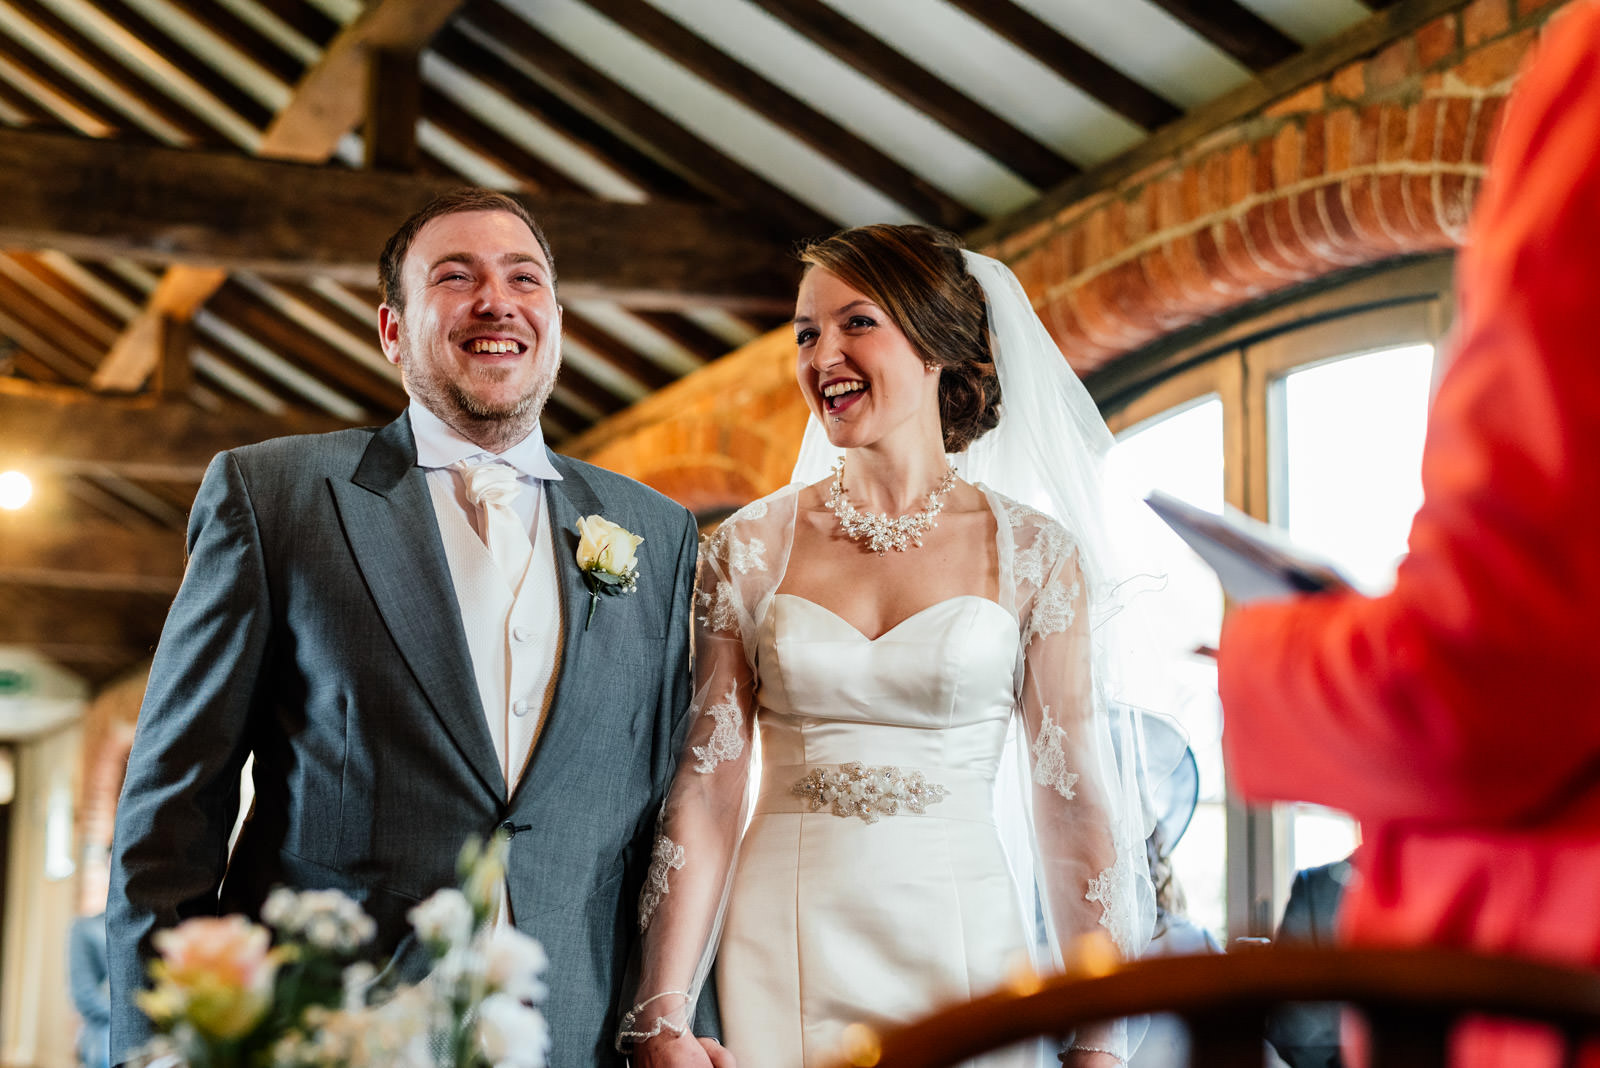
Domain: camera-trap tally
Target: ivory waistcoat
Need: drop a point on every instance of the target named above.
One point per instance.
(513, 636)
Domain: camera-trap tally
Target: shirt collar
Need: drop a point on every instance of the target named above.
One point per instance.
(439, 445)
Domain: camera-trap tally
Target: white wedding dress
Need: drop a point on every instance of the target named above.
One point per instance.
(871, 884)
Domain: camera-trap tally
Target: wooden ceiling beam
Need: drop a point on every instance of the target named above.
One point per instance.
(329, 102)
(318, 358)
(137, 350)
(477, 135)
(1235, 29)
(271, 56)
(798, 118)
(113, 72)
(90, 556)
(720, 175)
(394, 88)
(1072, 62)
(688, 333)
(102, 199)
(957, 112)
(65, 100)
(597, 340)
(65, 620)
(69, 431)
(42, 348)
(597, 140)
(186, 62)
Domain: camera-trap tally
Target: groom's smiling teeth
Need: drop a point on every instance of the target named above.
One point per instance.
(489, 346)
(834, 392)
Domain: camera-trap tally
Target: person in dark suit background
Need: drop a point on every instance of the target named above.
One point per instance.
(1306, 1035)
(89, 984)
(351, 617)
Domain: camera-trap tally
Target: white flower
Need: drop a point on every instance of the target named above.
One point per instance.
(510, 1034)
(513, 963)
(605, 547)
(328, 920)
(445, 919)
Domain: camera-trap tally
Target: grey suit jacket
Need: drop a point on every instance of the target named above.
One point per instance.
(317, 627)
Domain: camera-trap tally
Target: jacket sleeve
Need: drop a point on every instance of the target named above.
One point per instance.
(1456, 697)
(181, 794)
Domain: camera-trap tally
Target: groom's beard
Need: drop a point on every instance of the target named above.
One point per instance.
(479, 419)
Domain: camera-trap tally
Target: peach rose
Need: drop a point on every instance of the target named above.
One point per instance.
(216, 972)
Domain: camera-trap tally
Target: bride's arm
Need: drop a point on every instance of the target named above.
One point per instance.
(1084, 829)
(697, 837)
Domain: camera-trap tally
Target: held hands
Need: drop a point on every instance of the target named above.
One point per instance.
(668, 1050)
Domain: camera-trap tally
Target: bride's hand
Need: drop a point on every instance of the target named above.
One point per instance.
(667, 1050)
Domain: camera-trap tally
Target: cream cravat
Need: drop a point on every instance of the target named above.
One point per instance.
(492, 486)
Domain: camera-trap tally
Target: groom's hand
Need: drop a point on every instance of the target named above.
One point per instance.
(667, 1050)
(720, 1057)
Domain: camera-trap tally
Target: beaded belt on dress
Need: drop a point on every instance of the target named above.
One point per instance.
(869, 792)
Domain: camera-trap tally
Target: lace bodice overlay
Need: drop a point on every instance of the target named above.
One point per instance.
(1031, 666)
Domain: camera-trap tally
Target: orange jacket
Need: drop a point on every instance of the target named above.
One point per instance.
(1458, 717)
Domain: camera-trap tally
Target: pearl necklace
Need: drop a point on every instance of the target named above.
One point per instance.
(880, 531)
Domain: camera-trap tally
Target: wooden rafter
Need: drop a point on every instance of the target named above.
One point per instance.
(101, 199)
(599, 141)
(802, 121)
(688, 333)
(65, 100)
(90, 556)
(948, 106)
(181, 59)
(1235, 29)
(94, 632)
(708, 166)
(72, 430)
(1072, 62)
(327, 104)
(597, 340)
(238, 33)
(365, 386)
(91, 56)
(477, 135)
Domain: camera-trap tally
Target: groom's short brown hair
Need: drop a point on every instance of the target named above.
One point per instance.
(469, 198)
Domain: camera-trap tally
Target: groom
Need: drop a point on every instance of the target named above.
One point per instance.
(410, 656)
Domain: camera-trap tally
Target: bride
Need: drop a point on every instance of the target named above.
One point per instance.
(878, 634)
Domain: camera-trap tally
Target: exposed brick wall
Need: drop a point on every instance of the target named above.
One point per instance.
(1381, 158)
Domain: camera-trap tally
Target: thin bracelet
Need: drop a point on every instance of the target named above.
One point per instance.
(1079, 1048)
(627, 1036)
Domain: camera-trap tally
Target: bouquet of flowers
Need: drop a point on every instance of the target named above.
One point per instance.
(297, 992)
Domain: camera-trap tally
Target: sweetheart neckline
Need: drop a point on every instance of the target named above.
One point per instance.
(919, 612)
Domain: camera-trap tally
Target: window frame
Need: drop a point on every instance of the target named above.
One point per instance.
(1243, 358)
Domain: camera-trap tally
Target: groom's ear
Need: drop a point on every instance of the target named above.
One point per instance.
(389, 333)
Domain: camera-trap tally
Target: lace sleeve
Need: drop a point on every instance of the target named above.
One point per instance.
(1088, 851)
(697, 836)
(1087, 813)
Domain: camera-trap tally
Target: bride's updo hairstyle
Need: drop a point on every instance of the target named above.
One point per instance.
(918, 276)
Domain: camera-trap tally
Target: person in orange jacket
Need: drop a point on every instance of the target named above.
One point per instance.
(1455, 716)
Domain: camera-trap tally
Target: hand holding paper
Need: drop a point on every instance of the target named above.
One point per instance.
(1253, 561)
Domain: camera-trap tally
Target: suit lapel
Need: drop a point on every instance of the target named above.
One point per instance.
(389, 522)
(566, 501)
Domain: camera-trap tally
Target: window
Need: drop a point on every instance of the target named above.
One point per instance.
(1309, 414)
